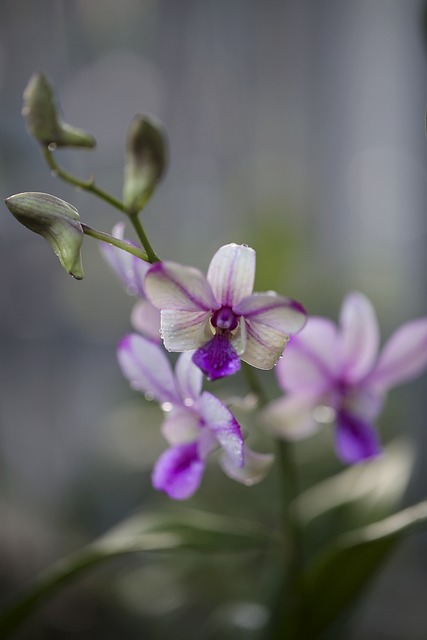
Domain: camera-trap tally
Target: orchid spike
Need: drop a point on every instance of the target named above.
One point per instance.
(145, 318)
(334, 374)
(196, 423)
(219, 316)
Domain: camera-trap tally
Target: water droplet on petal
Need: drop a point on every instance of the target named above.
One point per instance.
(245, 245)
(324, 414)
(149, 395)
(52, 146)
(166, 406)
(188, 402)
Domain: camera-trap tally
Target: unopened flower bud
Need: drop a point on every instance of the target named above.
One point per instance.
(43, 121)
(145, 162)
(55, 220)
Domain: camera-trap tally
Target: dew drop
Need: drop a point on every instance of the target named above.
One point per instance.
(52, 146)
(149, 395)
(166, 406)
(324, 414)
(188, 402)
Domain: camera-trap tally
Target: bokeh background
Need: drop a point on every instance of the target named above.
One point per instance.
(296, 126)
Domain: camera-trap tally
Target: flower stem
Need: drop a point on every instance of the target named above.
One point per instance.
(287, 615)
(90, 186)
(121, 244)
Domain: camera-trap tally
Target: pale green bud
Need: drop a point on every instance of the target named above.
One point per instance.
(55, 220)
(145, 162)
(43, 121)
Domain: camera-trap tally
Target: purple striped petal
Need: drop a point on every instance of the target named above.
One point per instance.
(217, 358)
(223, 425)
(147, 368)
(311, 362)
(130, 269)
(403, 357)
(277, 312)
(184, 330)
(145, 318)
(178, 472)
(256, 467)
(231, 273)
(264, 345)
(189, 379)
(172, 286)
(360, 336)
(355, 439)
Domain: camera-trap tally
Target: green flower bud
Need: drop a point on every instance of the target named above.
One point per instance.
(43, 122)
(55, 220)
(145, 162)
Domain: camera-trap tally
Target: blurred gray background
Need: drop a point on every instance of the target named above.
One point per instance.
(294, 126)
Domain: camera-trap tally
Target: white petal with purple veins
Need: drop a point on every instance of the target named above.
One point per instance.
(189, 378)
(359, 335)
(282, 314)
(231, 273)
(264, 345)
(403, 357)
(147, 368)
(172, 286)
(181, 426)
(291, 417)
(184, 330)
(145, 318)
(223, 425)
(256, 467)
(311, 361)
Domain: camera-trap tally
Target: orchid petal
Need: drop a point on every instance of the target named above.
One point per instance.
(238, 339)
(360, 336)
(291, 417)
(207, 443)
(224, 426)
(145, 318)
(189, 378)
(217, 358)
(172, 286)
(181, 426)
(256, 467)
(403, 357)
(147, 368)
(311, 361)
(264, 345)
(355, 439)
(178, 472)
(231, 273)
(184, 330)
(282, 314)
(129, 268)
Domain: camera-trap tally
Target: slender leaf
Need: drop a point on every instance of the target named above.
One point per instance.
(339, 575)
(161, 531)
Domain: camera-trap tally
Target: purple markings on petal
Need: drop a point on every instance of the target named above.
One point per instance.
(355, 439)
(178, 472)
(217, 358)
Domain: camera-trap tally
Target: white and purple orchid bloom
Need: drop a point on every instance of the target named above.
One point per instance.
(196, 423)
(219, 316)
(335, 374)
(131, 270)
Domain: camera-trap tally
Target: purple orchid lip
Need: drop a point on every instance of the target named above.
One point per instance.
(217, 358)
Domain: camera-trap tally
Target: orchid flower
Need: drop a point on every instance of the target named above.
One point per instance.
(219, 316)
(196, 423)
(335, 374)
(145, 318)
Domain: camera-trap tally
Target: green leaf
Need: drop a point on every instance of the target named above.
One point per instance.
(343, 570)
(162, 531)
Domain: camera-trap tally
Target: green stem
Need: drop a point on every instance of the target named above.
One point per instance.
(91, 187)
(287, 616)
(121, 244)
